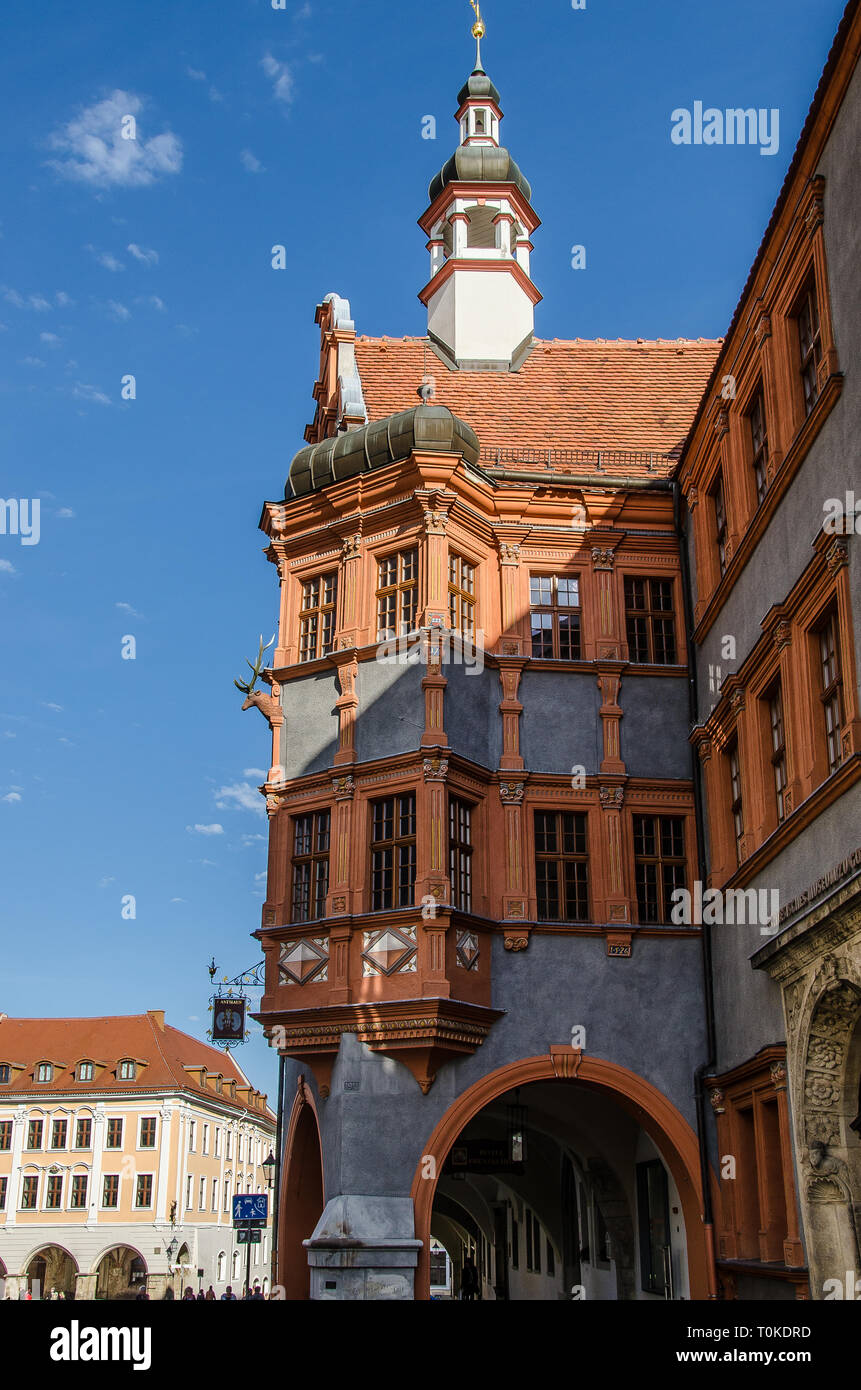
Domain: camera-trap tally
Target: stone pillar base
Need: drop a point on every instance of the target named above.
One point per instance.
(364, 1248)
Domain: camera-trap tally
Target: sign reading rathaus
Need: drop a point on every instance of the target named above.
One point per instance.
(509, 734)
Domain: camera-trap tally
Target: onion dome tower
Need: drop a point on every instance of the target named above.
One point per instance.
(480, 297)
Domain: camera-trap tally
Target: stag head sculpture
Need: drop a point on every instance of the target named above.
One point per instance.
(265, 703)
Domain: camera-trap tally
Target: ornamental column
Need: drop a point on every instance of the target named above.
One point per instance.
(515, 897)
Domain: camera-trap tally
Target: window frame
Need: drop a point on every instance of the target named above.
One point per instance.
(461, 853)
(673, 862)
(736, 793)
(114, 1179)
(560, 857)
(140, 1178)
(86, 1120)
(111, 1121)
(650, 614)
(830, 686)
(41, 1067)
(462, 601)
(759, 447)
(35, 1125)
(401, 587)
(323, 610)
(147, 1120)
(317, 860)
(808, 357)
(79, 1192)
(396, 846)
(61, 1123)
(29, 1187)
(555, 611)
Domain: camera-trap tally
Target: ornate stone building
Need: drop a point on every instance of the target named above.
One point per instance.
(498, 611)
(775, 565)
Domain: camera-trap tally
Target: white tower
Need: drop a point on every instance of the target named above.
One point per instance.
(480, 298)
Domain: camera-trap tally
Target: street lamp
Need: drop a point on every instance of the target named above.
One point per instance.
(268, 1166)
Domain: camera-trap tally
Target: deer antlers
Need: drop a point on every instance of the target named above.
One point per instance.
(248, 686)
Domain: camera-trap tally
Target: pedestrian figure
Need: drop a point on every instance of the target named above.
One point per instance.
(468, 1281)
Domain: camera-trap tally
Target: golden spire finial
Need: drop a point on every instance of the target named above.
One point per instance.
(478, 31)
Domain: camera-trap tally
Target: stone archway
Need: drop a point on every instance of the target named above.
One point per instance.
(52, 1268)
(667, 1128)
(119, 1273)
(301, 1195)
(825, 1099)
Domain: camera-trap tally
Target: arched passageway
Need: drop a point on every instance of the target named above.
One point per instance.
(565, 1177)
(301, 1196)
(51, 1268)
(120, 1272)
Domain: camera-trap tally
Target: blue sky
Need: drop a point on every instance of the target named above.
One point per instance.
(257, 127)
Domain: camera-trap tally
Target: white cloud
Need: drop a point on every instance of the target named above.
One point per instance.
(63, 299)
(103, 882)
(251, 163)
(215, 95)
(50, 338)
(127, 608)
(252, 839)
(254, 772)
(196, 75)
(304, 12)
(208, 863)
(47, 704)
(32, 362)
(185, 331)
(11, 796)
(157, 303)
(6, 567)
(258, 878)
(239, 796)
(65, 513)
(83, 392)
(37, 302)
(118, 311)
(96, 152)
(143, 253)
(282, 78)
(177, 900)
(205, 829)
(105, 258)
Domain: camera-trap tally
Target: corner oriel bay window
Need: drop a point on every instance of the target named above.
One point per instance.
(310, 866)
(393, 852)
(831, 688)
(561, 866)
(460, 853)
(554, 613)
(317, 619)
(461, 595)
(397, 594)
(809, 343)
(659, 864)
(649, 621)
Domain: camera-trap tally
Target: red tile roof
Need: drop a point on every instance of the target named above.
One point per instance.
(588, 394)
(141, 1037)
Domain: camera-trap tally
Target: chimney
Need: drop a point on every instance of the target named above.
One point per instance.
(157, 1016)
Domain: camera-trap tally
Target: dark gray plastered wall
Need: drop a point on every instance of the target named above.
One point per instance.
(310, 740)
(644, 1013)
(560, 726)
(654, 729)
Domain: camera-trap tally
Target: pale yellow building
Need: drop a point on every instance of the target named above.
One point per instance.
(122, 1143)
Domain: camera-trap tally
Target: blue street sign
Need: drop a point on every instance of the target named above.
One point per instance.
(251, 1206)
